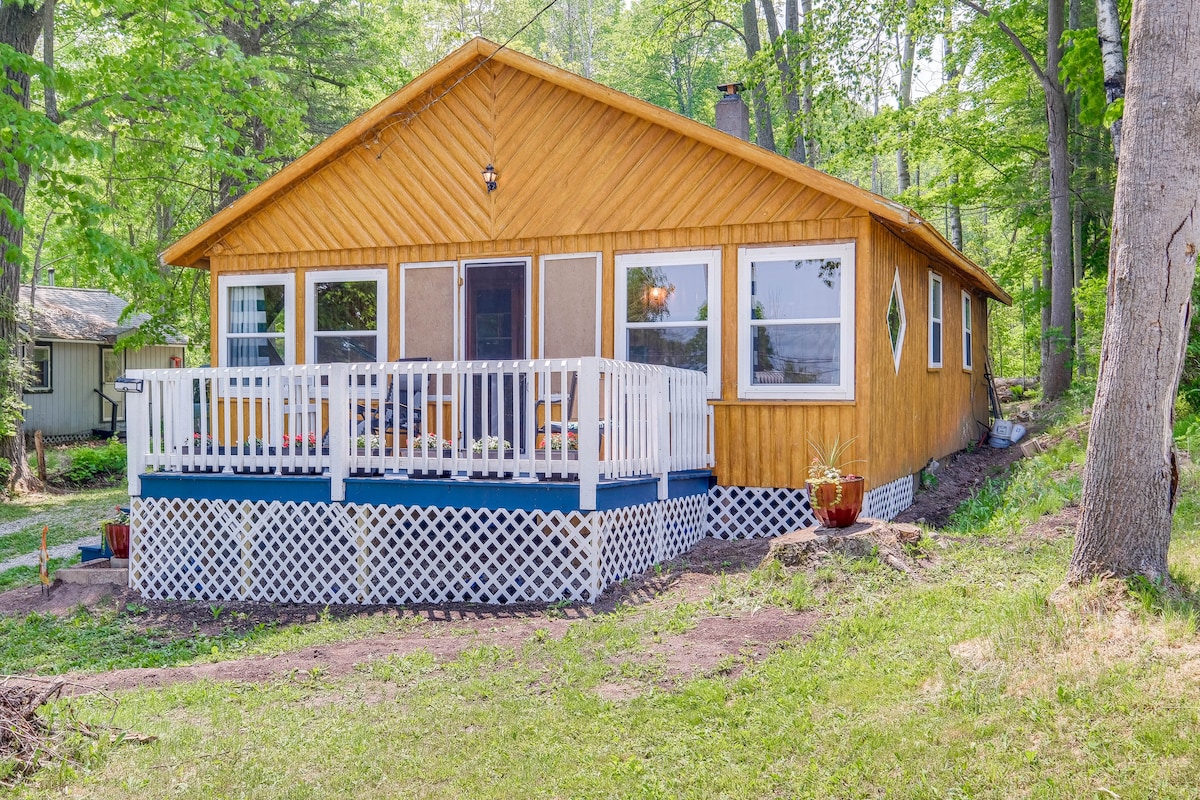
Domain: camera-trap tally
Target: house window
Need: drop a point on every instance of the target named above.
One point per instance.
(255, 314)
(796, 322)
(347, 315)
(668, 311)
(897, 322)
(935, 320)
(968, 362)
(39, 358)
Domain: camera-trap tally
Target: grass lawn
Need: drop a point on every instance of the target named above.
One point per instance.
(962, 681)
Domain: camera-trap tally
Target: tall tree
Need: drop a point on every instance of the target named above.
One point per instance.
(1130, 477)
(1056, 359)
(1112, 54)
(21, 24)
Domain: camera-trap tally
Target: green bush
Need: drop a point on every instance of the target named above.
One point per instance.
(87, 466)
(6, 473)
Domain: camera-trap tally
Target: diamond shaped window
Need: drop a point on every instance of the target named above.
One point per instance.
(896, 320)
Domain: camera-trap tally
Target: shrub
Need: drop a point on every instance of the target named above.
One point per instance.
(94, 465)
(6, 473)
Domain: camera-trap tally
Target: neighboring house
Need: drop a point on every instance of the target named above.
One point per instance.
(507, 253)
(73, 335)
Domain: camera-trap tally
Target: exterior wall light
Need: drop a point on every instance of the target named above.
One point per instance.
(489, 177)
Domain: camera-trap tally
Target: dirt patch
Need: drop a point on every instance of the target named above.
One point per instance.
(726, 645)
(958, 476)
(1052, 526)
(63, 598)
(688, 577)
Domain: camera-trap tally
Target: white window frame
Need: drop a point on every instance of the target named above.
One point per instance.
(968, 338)
(935, 280)
(225, 282)
(48, 386)
(711, 259)
(898, 291)
(379, 275)
(747, 389)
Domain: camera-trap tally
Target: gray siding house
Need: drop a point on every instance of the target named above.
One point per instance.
(73, 336)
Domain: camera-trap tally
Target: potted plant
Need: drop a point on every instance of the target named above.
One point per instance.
(835, 495)
(116, 533)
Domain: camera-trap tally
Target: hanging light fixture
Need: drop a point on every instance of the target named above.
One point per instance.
(489, 177)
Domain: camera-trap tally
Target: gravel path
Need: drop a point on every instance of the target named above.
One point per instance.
(58, 551)
(26, 522)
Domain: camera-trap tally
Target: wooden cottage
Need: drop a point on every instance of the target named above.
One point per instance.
(512, 335)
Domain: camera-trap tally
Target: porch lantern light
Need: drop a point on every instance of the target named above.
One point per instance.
(489, 177)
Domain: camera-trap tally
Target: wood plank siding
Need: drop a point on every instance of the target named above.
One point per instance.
(584, 170)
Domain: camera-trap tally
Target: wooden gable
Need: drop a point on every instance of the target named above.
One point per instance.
(567, 164)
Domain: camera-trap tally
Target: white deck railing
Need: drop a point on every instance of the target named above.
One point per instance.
(583, 419)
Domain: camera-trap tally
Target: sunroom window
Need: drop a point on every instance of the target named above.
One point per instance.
(796, 322)
(667, 309)
(255, 313)
(347, 316)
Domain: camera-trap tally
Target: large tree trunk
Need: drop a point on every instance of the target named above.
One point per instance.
(1129, 479)
(791, 100)
(764, 133)
(20, 26)
(1108, 27)
(904, 97)
(1056, 368)
(806, 104)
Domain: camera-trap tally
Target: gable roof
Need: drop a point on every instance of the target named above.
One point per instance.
(421, 94)
(78, 315)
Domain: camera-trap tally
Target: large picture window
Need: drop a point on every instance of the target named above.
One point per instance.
(347, 316)
(796, 322)
(255, 314)
(668, 311)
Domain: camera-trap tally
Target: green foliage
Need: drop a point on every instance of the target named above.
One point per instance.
(6, 473)
(1189, 381)
(90, 465)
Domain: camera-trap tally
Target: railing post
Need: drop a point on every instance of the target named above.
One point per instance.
(137, 432)
(588, 397)
(661, 413)
(339, 431)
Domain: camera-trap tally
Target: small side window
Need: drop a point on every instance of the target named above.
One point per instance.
(968, 357)
(40, 360)
(935, 320)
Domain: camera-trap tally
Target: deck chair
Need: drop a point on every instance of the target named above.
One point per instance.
(395, 414)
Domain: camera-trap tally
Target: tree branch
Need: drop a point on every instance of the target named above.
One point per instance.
(1012, 35)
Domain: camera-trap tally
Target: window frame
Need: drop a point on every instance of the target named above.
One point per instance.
(968, 332)
(898, 292)
(668, 258)
(935, 279)
(225, 282)
(48, 386)
(845, 389)
(313, 277)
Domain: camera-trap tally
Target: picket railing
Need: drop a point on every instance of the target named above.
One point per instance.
(583, 419)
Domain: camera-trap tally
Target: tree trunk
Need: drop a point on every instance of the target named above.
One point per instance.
(791, 101)
(1108, 27)
(764, 133)
(1077, 276)
(806, 108)
(1129, 480)
(950, 76)
(904, 97)
(1056, 371)
(20, 26)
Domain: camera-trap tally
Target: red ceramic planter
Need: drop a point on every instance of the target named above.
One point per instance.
(841, 514)
(118, 539)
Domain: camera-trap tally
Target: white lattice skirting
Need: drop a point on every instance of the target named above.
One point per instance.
(752, 512)
(348, 553)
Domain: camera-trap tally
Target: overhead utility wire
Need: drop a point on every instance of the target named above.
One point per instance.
(406, 116)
